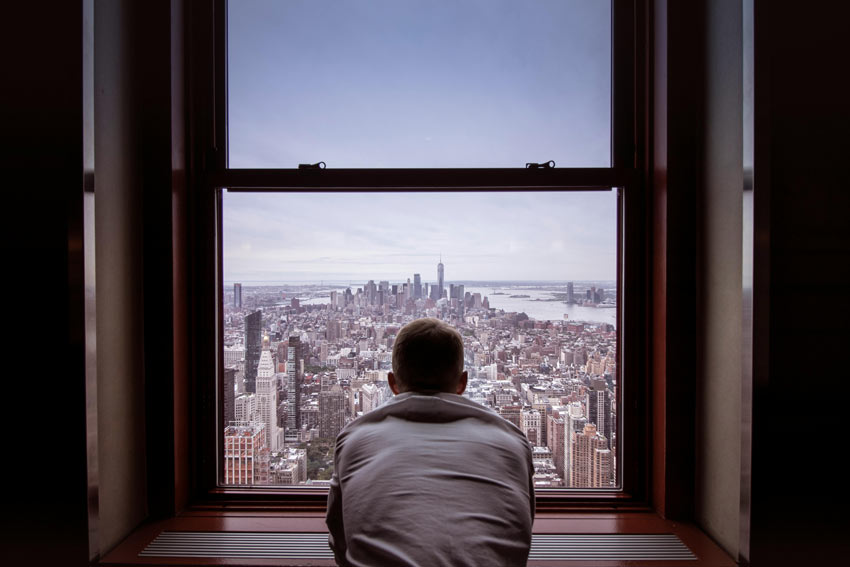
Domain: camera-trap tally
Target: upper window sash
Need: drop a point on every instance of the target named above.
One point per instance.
(623, 153)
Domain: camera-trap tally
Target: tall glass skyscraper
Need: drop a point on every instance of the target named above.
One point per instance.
(440, 278)
(599, 408)
(293, 394)
(253, 346)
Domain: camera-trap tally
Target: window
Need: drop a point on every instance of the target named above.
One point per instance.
(422, 141)
(317, 285)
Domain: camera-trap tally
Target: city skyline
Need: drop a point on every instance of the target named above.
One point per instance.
(325, 365)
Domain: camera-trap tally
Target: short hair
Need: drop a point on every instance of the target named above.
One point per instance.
(428, 355)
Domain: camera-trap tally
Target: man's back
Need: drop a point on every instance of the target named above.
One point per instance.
(431, 480)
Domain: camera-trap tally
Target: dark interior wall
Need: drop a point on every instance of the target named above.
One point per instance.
(802, 98)
(42, 285)
(719, 278)
(801, 240)
(50, 127)
(118, 196)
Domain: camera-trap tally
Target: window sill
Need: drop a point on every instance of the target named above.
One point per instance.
(285, 502)
(591, 522)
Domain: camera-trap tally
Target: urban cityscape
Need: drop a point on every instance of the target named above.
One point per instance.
(302, 360)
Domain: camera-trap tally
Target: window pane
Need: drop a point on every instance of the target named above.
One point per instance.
(316, 286)
(403, 83)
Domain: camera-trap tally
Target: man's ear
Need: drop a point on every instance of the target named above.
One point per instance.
(461, 384)
(392, 382)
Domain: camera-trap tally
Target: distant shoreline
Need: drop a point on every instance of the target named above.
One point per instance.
(608, 284)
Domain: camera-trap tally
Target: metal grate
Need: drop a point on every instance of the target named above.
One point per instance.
(294, 545)
(256, 545)
(608, 547)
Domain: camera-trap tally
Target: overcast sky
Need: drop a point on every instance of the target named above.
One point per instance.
(481, 236)
(419, 83)
(404, 83)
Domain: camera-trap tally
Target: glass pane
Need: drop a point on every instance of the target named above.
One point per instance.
(404, 83)
(316, 286)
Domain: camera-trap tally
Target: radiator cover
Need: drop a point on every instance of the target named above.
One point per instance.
(303, 545)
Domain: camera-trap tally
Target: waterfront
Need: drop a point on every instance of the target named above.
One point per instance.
(541, 303)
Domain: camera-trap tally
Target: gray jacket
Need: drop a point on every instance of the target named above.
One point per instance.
(430, 480)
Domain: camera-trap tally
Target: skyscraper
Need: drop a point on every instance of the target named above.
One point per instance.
(570, 293)
(253, 345)
(440, 272)
(555, 431)
(293, 386)
(371, 290)
(237, 295)
(599, 408)
(591, 460)
(229, 395)
(333, 330)
(331, 412)
(417, 286)
(267, 396)
(574, 422)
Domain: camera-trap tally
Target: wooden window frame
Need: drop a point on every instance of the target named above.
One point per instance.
(206, 119)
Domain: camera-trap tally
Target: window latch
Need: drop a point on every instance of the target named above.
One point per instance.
(320, 165)
(545, 165)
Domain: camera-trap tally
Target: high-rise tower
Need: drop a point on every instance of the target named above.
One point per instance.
(591, 460)
(331, 412)
(440, 272)
(253, 345)
(229, 395)
(574, 422)
(417, 286)
(599, 408)
(293, 392)
(293, 387)
(267, 396)
(371, 290)
(237, 295)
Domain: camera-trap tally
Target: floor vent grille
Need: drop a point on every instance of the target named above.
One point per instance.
(294, 545)
(609, 547)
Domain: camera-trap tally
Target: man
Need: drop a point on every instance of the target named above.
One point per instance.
(430, 478)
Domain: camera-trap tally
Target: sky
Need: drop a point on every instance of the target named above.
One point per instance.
(426, 83)
(404, 83)
(290, 237)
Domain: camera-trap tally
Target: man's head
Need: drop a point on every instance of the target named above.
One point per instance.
(428, 357)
